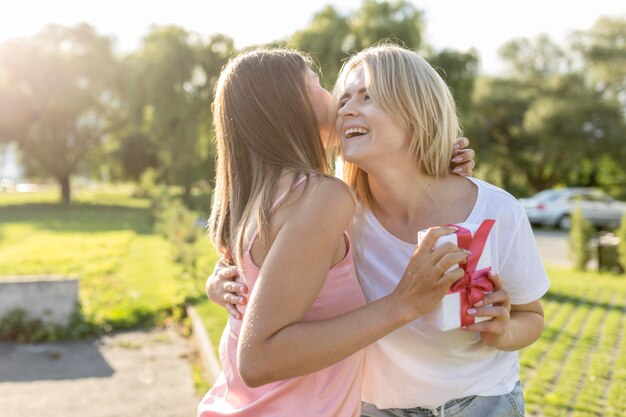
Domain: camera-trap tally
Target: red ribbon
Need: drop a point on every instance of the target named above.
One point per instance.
(474, 284)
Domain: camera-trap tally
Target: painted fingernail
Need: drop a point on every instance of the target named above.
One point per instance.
(457, 170)
(491, 274)
(468, 253)
(457, 159)
(242, 300)
(471, 311)
(479, 303)
(455, 146)
(242, 289)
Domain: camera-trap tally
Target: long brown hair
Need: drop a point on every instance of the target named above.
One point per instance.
(264, 126)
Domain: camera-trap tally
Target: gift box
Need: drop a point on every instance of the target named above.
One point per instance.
(451, 312)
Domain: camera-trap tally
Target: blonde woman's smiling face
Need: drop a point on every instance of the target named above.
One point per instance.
(367, 133)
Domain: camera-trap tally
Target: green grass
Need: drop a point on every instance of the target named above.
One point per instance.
(578, 366)
(127, 275)
(128, 278)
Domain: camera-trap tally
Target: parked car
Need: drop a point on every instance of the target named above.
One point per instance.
(554, 207)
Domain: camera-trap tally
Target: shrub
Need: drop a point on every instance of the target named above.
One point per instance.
(579, 237)
(17, 326)
(621, 246)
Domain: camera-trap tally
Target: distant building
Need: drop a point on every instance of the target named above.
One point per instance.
(9, 165)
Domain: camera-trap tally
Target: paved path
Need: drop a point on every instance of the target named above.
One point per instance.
(126, 374)
(554, 250)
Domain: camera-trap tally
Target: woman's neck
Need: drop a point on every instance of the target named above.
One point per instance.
(405, 200)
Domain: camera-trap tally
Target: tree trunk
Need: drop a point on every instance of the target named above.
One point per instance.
(66, 192)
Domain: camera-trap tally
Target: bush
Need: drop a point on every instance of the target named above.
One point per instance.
(18, 327)
(621, 246)
(180, 227)
(579, 237)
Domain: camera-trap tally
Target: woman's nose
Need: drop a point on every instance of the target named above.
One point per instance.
(347, 110)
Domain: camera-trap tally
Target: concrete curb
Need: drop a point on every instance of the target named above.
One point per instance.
(210, 362)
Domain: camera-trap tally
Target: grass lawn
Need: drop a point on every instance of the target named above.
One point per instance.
(105, 237)
(128, 278)
(578, 366)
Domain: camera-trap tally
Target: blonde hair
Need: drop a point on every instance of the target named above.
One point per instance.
(264, 125)
(407, 88)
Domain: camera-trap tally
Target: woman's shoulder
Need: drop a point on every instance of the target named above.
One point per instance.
(319, 195)
(497, 203)
(329, 193)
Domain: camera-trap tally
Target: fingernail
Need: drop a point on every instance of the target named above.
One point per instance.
(242, 289)
(463, 327)
(238, 316)
(457, 170)
(457, 159)
(455, 146)
(491, 274)
(479, 303)
(468, 253)
(242, 300)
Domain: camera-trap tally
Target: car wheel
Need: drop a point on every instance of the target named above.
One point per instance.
(565, 222)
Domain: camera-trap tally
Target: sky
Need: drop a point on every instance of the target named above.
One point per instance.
(483, 24)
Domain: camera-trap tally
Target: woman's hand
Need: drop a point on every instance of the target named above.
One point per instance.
(222, 289)
(497, 306)
(426, 278)
(462, 162)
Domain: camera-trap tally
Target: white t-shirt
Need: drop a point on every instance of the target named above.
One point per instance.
(420, 366)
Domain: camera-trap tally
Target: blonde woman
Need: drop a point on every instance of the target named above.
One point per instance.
(398, 169)
(397, 122)
(282, 219)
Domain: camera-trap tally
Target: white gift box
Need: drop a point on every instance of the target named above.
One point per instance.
(446, 315)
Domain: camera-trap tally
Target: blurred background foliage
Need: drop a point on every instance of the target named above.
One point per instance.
(76, 108)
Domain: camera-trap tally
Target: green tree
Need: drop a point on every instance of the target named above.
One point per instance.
(330, 37)
(325, 40)
(580, 235)
(60, 92)
(546, 121)
(603, 52)
(377, 20)
(178, 72)
(621, 246)
(460, 70)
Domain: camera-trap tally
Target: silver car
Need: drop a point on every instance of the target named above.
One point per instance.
(554, 207)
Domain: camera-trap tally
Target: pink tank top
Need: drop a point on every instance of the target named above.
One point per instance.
(334, 391)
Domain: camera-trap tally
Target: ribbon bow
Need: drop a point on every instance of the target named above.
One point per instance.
(474, 284)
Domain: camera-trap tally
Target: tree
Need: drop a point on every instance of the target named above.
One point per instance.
(460, 70)
(59, 94)
(603, 52)
(545, 122)
(325, 40)
(378, 20)
(330, 37)
(178, 72)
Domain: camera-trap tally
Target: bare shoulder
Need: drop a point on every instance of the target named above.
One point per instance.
(322, 197)
(330, 193)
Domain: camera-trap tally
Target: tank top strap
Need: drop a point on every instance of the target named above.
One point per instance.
(279, 200)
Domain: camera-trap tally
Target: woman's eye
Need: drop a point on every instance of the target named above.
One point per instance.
(366, 97)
